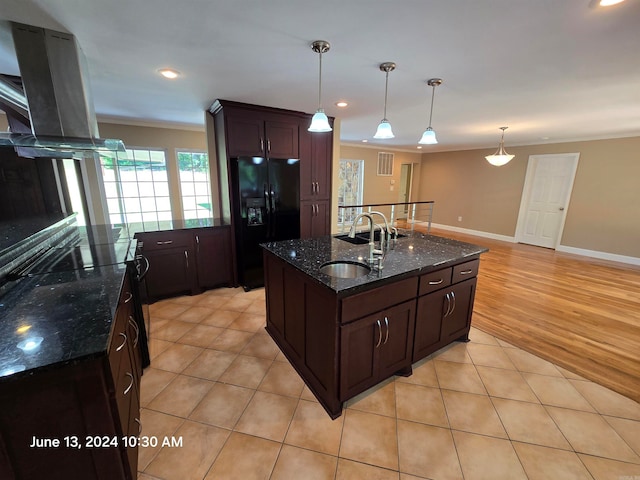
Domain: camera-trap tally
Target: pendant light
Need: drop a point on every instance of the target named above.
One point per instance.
(319, 121)
(384, 129)
(500, 157)
(429, 136)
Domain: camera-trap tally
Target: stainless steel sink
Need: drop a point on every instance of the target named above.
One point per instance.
(345, 269)
(363, 238)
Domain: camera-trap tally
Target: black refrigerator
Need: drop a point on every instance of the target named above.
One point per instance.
(266, 207)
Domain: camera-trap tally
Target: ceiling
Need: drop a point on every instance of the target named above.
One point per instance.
(551, 70)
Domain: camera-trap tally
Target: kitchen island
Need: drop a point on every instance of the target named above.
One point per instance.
(345, 335)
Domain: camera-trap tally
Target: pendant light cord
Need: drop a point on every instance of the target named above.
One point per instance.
(386, 87)
(433, 92)
(320, 83)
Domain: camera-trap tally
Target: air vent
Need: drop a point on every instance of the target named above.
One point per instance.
(385, 164)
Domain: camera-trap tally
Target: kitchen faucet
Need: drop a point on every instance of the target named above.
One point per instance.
(372, 226)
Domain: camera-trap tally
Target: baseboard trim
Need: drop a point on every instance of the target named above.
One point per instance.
(614, 257)
(477, 233)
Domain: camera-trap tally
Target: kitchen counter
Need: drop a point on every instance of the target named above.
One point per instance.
(415, 253)
(67, 316)
(345, 335)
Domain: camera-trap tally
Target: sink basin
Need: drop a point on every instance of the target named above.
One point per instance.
(345, 269)
(362, 238)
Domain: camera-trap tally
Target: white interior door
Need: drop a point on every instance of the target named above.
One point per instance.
(545, 199)
(404, 195)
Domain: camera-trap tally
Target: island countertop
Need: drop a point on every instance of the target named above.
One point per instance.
(410, 255)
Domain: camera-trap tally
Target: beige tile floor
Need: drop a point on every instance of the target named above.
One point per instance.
(481, 410)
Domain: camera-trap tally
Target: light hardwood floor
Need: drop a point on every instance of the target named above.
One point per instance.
(577, 312)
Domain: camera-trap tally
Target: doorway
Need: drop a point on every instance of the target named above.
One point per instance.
(404, 193)
(545, 198)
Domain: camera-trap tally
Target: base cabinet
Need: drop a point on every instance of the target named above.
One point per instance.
(375, 347)
(186, 261)
(343, 346)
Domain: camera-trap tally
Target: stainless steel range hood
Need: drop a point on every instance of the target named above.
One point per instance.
(61, 120)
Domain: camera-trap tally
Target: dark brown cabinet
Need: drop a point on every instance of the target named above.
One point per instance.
(186, 261)
(315, 220)
(444, 314)
(343, 345)
(315, 169)
(256, 134)
(89, 405)
(375, 347)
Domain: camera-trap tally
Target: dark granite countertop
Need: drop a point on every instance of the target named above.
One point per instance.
(176, 224)
(415, 253)
(55, 318)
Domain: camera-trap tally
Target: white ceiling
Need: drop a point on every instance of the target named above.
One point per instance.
(551, 70)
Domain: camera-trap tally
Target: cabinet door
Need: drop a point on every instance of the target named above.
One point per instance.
(314, 219)
(282, 139)
(457, 320)
(213, 257)
(360, 347)
(169, 272)
(397, 343)
(245, 135)
(321, 155)
(429, 314)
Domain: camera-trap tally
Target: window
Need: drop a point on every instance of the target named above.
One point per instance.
(137, 188)
(195, 185)
(350, 187)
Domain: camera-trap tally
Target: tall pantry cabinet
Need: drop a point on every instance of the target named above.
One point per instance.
(252, 130)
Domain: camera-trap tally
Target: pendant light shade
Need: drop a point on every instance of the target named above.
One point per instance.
(429, 136)
(501, 157)
(384, 129)
(320, 122)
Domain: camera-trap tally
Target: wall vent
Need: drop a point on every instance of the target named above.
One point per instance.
(385, 164)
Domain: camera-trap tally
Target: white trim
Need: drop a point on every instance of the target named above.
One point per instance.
(477, 233)
(614, 257)
(528, 185)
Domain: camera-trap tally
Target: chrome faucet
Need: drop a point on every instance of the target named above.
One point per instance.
(372, 226)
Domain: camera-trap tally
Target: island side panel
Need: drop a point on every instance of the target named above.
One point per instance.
(302, 318)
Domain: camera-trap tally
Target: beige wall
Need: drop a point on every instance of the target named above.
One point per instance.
(378, 189)
(604, 210)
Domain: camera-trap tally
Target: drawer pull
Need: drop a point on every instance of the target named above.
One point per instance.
(436, 282)
(124, 341)
(128, 389)
(466, 272)
(166, 242)
(386, 337)
(129, 297)
(379, 333)
(135, 327)
(137, 420)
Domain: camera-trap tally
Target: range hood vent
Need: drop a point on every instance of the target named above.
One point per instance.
(55, 92)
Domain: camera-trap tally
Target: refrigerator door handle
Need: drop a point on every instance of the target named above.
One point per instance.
(266, 199)
(273, 200)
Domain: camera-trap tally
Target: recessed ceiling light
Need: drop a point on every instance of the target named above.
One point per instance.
(365, 141)
(604, 3)
(169, 73)
(419, 147)
(341, 104)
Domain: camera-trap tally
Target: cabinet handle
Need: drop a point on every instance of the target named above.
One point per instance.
(124, 341)
(128, 389)
(386, 322)
(448, 305)
(128, 299)
(431, 282)
(197, 239)
(166, 242)
(268, 145)
(135, 327)
(466, 272)
(317, 188)
(137, 420)
(186, 257)
(197, 244)
(261, 145)
(146, 268)
(379, 333)
(453, 297)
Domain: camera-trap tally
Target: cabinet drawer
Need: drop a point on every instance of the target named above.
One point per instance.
(465, 270)
(361, 304)
(167, 239)
(430, 282)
